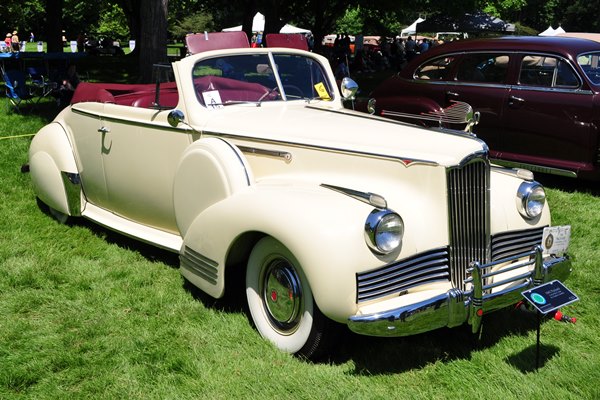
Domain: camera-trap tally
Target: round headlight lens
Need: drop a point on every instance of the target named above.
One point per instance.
(531, 199)
(383, 231)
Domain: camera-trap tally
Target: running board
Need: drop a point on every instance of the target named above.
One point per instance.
(153, 236)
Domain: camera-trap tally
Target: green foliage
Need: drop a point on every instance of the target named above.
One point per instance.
(370, 21)
(197, 22)
(351, 22)
(112, 24)
(523, 30)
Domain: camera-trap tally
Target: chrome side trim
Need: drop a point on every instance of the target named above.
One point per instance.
(406, 161)
(72, 184)
(111, 118)
(264, 152)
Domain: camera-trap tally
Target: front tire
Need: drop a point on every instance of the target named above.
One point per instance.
(281, 302)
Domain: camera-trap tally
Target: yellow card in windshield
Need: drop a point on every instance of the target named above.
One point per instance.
(322, 91)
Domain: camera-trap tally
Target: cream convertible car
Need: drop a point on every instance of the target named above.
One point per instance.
(249, 165)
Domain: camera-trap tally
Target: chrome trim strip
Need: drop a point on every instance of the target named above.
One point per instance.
(264, 152)
(72, 184)
(372, 199)
(105, 117)
(536, 168)
(406, 161)
(232, 147)
(551, 89)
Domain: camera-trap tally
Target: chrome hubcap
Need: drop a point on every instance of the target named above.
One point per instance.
(282, 295)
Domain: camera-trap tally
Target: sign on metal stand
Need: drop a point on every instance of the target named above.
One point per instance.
(547, 298)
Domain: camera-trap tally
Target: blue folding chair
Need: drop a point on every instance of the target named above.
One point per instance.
(17, 91)
(40, 84)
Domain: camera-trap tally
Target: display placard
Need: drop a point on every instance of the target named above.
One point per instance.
(556, 239)
(550, 296)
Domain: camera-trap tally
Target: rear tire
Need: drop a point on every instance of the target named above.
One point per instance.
(281, 303)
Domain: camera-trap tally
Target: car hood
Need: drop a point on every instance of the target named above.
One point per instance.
(327, 127)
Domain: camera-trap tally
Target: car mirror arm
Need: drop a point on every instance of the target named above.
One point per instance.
(177, 117)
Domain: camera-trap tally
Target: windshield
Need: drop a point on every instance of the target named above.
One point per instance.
(259, 78)
(590, 64)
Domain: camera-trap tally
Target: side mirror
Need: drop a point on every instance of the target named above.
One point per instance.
(175, 117)
(348, 88)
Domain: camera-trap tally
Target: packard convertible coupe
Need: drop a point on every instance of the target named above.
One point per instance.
(249, 165)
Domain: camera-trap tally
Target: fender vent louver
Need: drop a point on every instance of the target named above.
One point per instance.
(202, 266)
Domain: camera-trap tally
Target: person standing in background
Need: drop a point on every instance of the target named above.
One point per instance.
(31, 37)
(15, 40)
(8, 42)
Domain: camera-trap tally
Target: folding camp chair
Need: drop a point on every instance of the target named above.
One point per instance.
(17, 90)
(41, 86)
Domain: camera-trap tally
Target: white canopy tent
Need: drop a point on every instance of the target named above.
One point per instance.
(411, 29)
(258, 25)
(548, 32)
(552, 32)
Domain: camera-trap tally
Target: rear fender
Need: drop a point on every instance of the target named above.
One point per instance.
(210, 170)
(54, 173)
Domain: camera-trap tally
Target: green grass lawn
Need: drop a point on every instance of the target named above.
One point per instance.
(86, 313)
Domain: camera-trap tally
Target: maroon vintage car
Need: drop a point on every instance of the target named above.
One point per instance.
(538, 98)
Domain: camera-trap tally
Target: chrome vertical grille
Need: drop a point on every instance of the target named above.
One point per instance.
(469, 217)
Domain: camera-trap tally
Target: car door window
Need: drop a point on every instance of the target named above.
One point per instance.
(483, 67)
(547, 71)
(436, 69)
(590, 64)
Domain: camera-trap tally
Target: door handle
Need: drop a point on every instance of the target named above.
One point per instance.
(514, 101)
(104, 129)
(452, 94)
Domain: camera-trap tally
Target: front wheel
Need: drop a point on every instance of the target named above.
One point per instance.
(281, 302)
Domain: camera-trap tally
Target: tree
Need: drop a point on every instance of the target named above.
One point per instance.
(197, 22)
(153, 32)
(53, 31)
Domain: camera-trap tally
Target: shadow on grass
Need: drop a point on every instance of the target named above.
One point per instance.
(526, 360)
(373, 356)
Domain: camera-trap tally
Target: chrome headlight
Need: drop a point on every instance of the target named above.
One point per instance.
(531, 198)
(383, 231)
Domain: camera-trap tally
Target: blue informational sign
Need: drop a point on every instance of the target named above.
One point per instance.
(550, 296)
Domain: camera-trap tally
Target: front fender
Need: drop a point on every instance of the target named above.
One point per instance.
(53, 170)
(322, 228)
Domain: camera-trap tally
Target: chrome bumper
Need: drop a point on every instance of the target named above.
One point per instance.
(455, 307)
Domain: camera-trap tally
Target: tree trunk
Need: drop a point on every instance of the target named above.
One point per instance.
(53, 31)
(153, 36)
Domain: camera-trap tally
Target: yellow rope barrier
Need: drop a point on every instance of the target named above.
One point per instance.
(16, 136)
